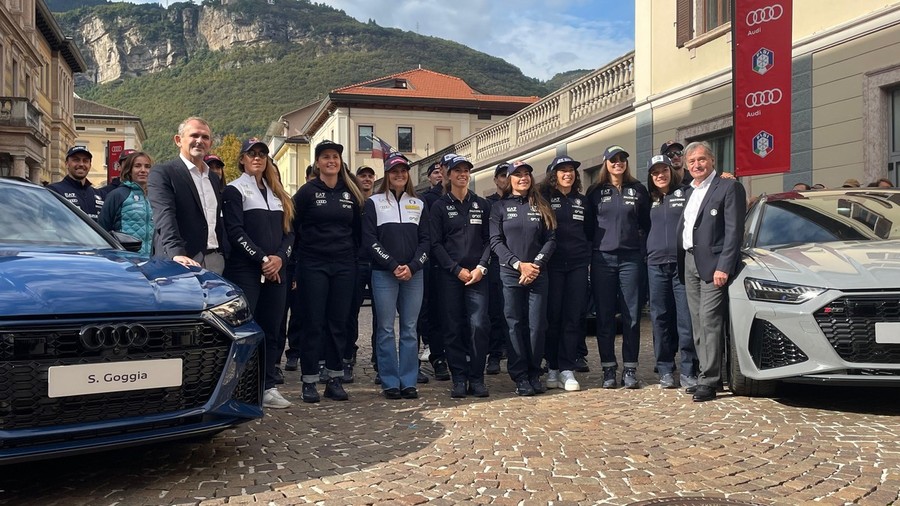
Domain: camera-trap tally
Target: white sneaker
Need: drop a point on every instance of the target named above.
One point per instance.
(553, 378)
(567, 378)
(426, 354)
(273, 399)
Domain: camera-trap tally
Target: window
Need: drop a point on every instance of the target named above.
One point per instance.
(713, 13)
(894, 162)
(365, 137)
(404, 139)
(110, 129)
(722, 144)
(694, 18)
(484, 115)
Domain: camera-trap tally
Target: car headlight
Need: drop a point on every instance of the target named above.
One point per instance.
(235, 312)
(773, 291)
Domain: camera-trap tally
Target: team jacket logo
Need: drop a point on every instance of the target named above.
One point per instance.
(764, 15)
(320, 195)
(345, 195)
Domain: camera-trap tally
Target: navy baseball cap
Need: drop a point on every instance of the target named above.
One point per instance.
(613, 151)
(514, 166)
(562, 160)
(250, 143)
(666, 146)
(433, 167)
(74, 150)
(445, 160)
(395, 159)
(456, 161)
(501, 169)
(659, 159)
(327, 144)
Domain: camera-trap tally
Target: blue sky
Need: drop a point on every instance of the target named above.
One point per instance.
(541, 37)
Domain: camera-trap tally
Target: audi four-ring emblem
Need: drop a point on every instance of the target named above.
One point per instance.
(113, 335)
(760, 16)
(765, 97)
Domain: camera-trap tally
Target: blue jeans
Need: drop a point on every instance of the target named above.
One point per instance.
(526, 316)
(464, 316)
(616, 279)
(392, 296)
(671, 320)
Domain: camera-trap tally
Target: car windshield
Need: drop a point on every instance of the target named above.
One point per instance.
(829, 216)
(34, 216)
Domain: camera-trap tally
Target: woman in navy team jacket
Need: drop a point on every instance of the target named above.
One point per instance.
(669, 311)
(523, 239)
(395, 233)
(622, 206)
(257, 213)
(460, 238)
(327, 228)
(568, 271)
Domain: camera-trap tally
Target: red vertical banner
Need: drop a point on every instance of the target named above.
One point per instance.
(113, 151)
(762, 86)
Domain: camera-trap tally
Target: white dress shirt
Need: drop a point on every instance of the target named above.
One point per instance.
(207, 198)
(692, 208)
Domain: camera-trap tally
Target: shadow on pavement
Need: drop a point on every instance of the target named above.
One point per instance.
(858, 399)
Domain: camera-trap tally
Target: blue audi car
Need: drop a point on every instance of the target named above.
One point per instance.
(103, 348)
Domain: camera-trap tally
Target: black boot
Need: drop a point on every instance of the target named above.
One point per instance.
(310, 394)
(334, 390)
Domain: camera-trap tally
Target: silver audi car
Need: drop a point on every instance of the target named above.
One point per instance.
(818, 295)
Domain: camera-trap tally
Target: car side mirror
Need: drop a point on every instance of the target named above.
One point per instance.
(129, 242)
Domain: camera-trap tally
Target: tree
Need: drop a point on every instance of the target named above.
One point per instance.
(228, 151)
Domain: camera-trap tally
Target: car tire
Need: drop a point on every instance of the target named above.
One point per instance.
(742, 385)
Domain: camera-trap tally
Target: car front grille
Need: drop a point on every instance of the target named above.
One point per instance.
(849, 325)
(27, 353)
(770, 348)
(248, 388)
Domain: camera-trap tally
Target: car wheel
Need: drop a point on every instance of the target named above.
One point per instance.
(742, 385)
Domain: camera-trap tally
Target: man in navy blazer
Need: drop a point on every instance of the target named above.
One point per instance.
(709, 254)
(186, 205)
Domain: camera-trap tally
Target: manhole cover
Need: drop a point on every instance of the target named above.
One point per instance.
(692, 501)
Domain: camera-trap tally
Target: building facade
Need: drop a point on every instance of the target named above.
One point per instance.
(677, 85)
(417, 112)
(96, 125)
(37, 67)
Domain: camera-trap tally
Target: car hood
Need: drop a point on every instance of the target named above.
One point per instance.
(843, 265)
(71, 282)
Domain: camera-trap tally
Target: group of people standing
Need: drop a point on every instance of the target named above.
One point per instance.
(549, 249)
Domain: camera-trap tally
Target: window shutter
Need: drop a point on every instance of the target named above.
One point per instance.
(684, 21)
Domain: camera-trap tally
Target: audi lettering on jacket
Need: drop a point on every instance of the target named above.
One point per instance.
(518, 233)
(574, 229)
(254, 222)
(460, 232)
(395, 231)
(623, 217)
(326, 222)
(662, 241)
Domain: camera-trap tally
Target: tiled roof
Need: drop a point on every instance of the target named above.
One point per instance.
(421, 83)
(87, 108)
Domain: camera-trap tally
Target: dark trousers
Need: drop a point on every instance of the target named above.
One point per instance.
(526, 316)
(671, 320)
(428, 325)
(266, 302)
(565, 316)
(294, 323)
(285, 319)
(616, 278)
(326, 299)
(363, 279)
(465, 319)
(709, 306)
(499, 332)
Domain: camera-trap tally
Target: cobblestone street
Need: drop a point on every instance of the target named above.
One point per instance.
(810, 445)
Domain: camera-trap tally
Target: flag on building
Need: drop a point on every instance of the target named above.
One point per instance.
(380, 149)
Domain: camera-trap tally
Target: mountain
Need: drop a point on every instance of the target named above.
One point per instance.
(242, 63)
(563, 78)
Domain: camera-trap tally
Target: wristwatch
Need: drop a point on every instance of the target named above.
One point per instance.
(483, 269)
